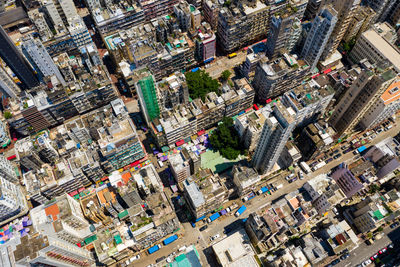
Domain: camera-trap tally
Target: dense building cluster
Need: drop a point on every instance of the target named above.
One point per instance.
(115, 117)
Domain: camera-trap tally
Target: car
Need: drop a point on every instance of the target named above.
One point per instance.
(134, 258)
(390, 245)
(227, 230)
(215, 237)
(337, 156)
(347, 150)
(203, 228)
(160, 259)
(374, 256)
(367, 262)
(127, 262)
(328, 160)
(343, 257)
(335, 262)
(355, 152)
(384, 250)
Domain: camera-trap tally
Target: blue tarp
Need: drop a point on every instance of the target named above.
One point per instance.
(361, 149)
(201, 218)
(264, 189)
(195, 69)
(214, 216)
(241, 209)
(170, 239)
(153, 249)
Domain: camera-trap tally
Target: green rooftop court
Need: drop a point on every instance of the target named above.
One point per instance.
(214, 161)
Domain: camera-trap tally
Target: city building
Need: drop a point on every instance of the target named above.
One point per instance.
(242, 24)
(276, 131)
(346, 181)
(17, 63)
(79, 32)
(154, 9)
(284, 28)
(340, 237)
(373, 46)
(60, 11)
(117, 16)
(235, 250)
(7, 85)
(370, 85)
(245, 179)
(273, 78)
(204, 193)
(12, 201)
(7, 170)
(318, 36)
(172, 91)
(386, 106)
(146, 89)
(37, 55)
(345, 13)
(180, 167)
(385, 10)
(62, 218)
(210, 12)
(363, 18)
(47, 250)
(314, 139)
(38, 18)
(205, 41)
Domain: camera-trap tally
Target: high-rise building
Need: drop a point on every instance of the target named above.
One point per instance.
(210, 12)
(148, 95)
(14, 59)
(7, 170)
(38, 18)
(277, 129)
(43, 250)
(374, 45)
(312, 9)
(7, 85)
(363, 18)
(384, 9)
(387, 105)
(273, 78)
(345, 12)
(11, 199)
(241, 25)
(38, 56)
(60, 11)
(365, 91)
(79, 32)
(318, 36)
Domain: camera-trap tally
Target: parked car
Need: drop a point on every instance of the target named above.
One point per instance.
(344, 256)
(367, 262)
(215, 237)
(160, 259)
(134, 258)
(337, 156)
(394, 225)
(335, 262)
(203, 228)
(328, 160)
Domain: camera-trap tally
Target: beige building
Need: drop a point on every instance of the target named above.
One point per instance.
(363, 18)
(365, 91)
(346, 10)
(375, 46)
(242, 24)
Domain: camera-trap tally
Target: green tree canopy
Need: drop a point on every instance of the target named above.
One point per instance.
(7, 115)
(225, 75)
(200, 84)
(225, 140)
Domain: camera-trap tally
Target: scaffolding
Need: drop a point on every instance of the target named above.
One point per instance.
(150, 97)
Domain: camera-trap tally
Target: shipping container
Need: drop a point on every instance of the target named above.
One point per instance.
(170, 239)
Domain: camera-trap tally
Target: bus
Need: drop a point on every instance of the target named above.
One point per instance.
(232, 55)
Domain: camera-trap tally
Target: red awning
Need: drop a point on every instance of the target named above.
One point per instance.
(81, 189)
(201, 132)
(179, 143)
(255, 107)
(327, 71)
(11, 157)
(316, 75)
(247, 110)
(133, 164)
(104, 178)
(268, 100)
(73, 193)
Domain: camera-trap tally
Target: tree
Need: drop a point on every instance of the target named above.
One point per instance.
(7, 115)
(200, 84)
(225, 75)
(373, 188)
(225, 140)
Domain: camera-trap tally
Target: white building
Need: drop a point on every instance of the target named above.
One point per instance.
(276, 131)
(235, 251)
(318, 36)
(11, 199)
(7, 170)
(40, 59)
(41, 25)
(79, 32)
